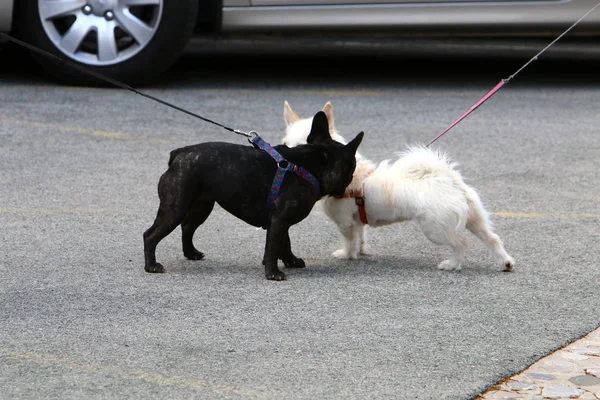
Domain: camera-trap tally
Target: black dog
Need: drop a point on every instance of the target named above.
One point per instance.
(240, 179)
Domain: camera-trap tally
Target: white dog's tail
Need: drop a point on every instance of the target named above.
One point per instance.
(420, 162)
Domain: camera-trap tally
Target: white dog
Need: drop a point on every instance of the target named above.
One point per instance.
(422, 185)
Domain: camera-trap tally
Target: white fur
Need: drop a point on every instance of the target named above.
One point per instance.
(422, 185)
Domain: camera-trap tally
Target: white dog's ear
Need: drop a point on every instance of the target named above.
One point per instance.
(328, 110)
(289, 115)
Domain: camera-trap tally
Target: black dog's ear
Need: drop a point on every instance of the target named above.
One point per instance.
(353, 145)
(320, 128)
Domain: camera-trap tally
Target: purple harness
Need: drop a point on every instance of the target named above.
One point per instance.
(283, 166)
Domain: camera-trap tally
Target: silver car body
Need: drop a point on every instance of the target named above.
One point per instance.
(130, 40)
(415, 16)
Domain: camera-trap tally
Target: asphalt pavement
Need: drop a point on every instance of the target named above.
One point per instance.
(79, 317)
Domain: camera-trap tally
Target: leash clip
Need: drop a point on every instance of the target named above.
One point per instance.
(249, 135)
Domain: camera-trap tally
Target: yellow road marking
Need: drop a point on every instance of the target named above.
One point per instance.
(251, 91)
(135, 374)
(330, 92)
(17, 210)
(92, 132)
(503, 214)
(233, 90)
(84, 88)
(545, 215)
(28, 210)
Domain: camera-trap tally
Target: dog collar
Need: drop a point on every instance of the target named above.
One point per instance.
(359, 199)
(283, 166)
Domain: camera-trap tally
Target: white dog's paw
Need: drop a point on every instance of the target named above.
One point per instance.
(364, 250)
(342, 254)
(508, 264)
(449, 265)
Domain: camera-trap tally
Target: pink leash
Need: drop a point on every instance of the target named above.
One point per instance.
(504, 81)
(470, 110)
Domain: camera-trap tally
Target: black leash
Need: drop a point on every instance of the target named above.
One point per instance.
(120, 84)
(282, 165)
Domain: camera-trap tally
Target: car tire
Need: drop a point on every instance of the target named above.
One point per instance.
(134, 44)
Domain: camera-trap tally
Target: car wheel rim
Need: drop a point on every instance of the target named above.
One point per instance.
(100, 32)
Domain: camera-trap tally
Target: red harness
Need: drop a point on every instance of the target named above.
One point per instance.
(359, 199)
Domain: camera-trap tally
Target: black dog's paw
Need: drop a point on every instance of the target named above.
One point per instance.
(295, 263)
(275, 276)
(156, 268)
(194, 255)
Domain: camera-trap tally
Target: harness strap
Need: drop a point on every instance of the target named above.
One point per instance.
(359, 199)
(283, 166)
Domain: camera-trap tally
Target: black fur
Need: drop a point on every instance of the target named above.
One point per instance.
(239, 179)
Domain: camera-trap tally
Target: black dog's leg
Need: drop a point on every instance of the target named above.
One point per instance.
(273, 249)
(161, 227)
(174, 206)
(198, 213)
(288, 258)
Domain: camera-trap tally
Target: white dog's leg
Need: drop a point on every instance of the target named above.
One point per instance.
(478, 224)
(362, 239)
(459, 248)
(452, 238)
(351, 244)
